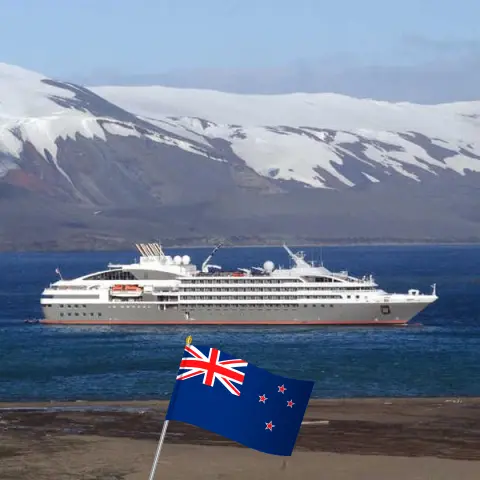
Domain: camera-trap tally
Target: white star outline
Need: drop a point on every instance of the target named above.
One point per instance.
(269, 425)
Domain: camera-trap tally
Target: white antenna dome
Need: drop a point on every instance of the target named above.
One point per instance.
(177, 259)
(268, 266)
(185, 259)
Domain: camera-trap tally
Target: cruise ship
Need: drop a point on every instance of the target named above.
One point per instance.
(158, 289)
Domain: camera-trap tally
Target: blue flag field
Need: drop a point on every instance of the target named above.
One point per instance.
(238, 400)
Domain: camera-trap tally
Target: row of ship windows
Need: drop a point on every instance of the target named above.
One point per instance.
(68, 306)
(242, 281)
(193, 306)
(201, 307)
(126, 275)
(262, 289)
(262, 297)
(284, 297)
(229, 306)
(112, 275)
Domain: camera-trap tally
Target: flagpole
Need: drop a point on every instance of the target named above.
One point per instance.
(188, 341)
(159, 450)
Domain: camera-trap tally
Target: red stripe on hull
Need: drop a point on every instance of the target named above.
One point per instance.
(221, 322)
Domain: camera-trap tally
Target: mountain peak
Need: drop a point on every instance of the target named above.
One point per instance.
(14, 72)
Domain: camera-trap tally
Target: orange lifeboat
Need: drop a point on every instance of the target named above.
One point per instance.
(126, 291)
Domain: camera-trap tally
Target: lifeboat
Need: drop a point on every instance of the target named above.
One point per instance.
(126, 291)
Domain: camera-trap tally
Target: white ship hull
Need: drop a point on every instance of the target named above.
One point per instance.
(160, 290)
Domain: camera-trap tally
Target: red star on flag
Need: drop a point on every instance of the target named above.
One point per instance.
(281, 388)
(263, 398)
(290, 403)
(269, 426)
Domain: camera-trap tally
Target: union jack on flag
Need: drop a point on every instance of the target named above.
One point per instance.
(211, 367)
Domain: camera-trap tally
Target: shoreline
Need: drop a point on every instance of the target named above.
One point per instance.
(347, 244)
(162, 404)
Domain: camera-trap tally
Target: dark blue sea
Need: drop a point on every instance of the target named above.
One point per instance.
(440, 356)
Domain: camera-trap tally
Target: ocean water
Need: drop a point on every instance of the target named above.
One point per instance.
(437, 356)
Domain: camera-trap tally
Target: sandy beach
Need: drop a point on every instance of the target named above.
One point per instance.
(431, 438)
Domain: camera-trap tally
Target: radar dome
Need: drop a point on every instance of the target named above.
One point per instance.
(177, 259)
(268, 266)
(185, 259)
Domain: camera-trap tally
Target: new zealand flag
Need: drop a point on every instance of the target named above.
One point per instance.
(238, 400)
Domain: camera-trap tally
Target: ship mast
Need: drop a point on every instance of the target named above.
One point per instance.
(205, 263)
(298, 258)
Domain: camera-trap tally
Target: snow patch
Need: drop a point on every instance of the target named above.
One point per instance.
(43, 132)
(345, 137)
(6, 165)
(122, 130)
(155, 137)
(9, 143)
(181, 127)
(460, 163)
(372, 179)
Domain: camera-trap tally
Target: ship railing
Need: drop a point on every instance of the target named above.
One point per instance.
(353, 279)
(67, 287)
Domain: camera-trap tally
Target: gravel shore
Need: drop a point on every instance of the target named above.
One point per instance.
(340, 439)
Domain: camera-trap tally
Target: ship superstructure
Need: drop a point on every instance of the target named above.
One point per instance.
(161, 289)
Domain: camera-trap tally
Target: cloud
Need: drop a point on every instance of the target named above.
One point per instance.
(441, 47)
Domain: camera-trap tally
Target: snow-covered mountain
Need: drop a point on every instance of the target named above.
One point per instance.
(38, 116)
(322, 140)
(109, 165)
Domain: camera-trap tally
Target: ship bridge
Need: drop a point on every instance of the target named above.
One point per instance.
(319, 274)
